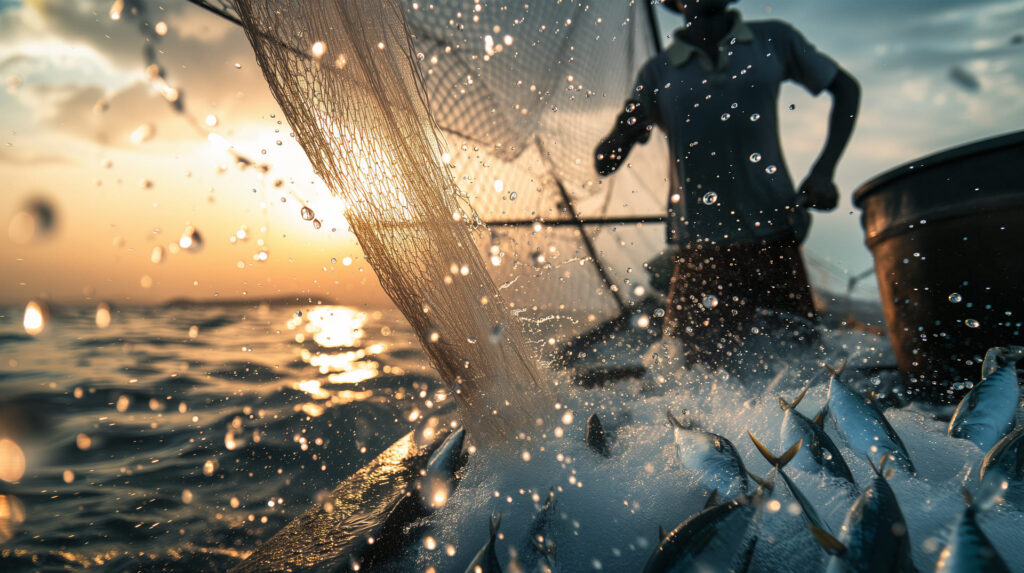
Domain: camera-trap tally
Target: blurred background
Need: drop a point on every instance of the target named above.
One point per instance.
(105, 166)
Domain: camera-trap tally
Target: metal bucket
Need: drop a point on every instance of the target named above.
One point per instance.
(947, 236)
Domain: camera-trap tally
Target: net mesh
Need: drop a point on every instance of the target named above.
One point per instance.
(523, 93)
(358, 109)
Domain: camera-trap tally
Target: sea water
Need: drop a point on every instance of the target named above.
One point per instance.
(179, 437)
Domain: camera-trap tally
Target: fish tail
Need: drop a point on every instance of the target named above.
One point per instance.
(675, 421)
(780, 461)
(787, 405)
(830, 544)
(836, 370)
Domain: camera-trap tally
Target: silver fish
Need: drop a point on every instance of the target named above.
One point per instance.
(1002, 470)
(969, 549)
(986, 412)
(819, 451)
(486, 560)
(863, 426)
(438, 478)
(714, 539)
(874, 536)
(713, 454)
(808, 512)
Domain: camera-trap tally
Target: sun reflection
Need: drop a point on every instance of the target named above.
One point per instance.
(35, 318)
(12, 461)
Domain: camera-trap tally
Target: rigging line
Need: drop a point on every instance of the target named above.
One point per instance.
(566, 222)
(587, 243)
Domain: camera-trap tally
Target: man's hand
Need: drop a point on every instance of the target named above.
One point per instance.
(819, 192)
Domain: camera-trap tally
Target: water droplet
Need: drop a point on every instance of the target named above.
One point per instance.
(771, 169)
(631, 121)
(755, 157)
(157, 255)
(710, 301)
(725, 117)
(512, 196)
(792, 107)
(755, 116)
(191, 240)
(710, 198)
(317, 224)
(955, 297)
(307, 213)
(36, 220)
(659, 312)
(971, 323)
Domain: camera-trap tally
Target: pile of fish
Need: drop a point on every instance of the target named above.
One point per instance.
(874, 536)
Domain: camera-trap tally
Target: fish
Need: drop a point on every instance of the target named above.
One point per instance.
(713, 454)
(438, 478)
(1002, 470)
(486, 560)
(863, 426)
(874, 535)
(539, 551)
(986, 412)
(969, 549)
(595, 436)
(808, 512)
(819, 452)
(713, 539)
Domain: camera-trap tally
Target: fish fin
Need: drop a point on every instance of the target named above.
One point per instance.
(550, 501)
(799, 398)
(790, 453)
(880, 468)
(761, 481)
(836, 370)
(967, 496)
(595, 436)
(783, 404)
(890, 473)
(662, 534)
(777, 462)
(495, 524)
(820, 418)
(674, 422)
(712, 499)
(830, 544)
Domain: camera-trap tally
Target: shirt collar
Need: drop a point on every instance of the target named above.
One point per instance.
(680, 51)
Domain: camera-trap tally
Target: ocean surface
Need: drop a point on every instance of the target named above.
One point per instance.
(180, 436)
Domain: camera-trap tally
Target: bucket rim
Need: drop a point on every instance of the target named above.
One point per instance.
(949, 155)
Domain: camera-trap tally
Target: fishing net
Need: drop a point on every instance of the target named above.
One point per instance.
(523, 93)
(358, 109)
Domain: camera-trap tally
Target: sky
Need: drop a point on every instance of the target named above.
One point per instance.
(87, 131)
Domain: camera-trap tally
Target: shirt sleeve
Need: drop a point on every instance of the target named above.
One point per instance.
(805, 64)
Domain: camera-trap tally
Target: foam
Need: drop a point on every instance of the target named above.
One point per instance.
(609, 510)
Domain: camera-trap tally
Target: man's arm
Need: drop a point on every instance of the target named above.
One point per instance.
(819, 188)
(631, 127)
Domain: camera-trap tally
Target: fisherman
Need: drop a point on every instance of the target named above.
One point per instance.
(733, 213)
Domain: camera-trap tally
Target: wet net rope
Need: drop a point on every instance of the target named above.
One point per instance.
(523, 92)
(358, 108)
